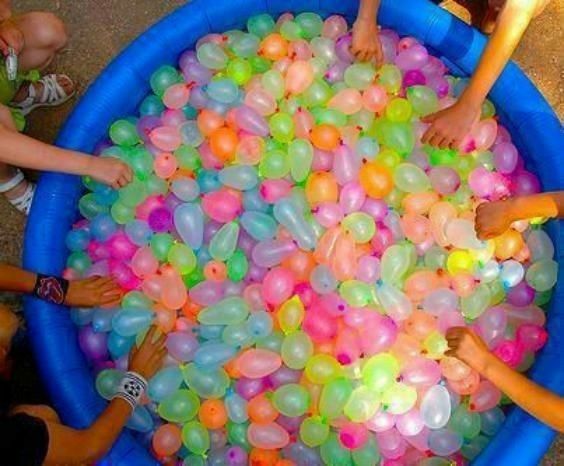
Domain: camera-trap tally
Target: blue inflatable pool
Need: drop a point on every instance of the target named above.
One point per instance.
(118, 91)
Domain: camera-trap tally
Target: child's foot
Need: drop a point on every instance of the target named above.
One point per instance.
(50, 91)
(18, 191)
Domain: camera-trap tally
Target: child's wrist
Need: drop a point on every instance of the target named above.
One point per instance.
(534, 206)
(470, 101)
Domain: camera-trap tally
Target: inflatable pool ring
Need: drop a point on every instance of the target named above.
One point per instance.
(535, 129)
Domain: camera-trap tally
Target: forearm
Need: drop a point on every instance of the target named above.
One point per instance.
(512, 23)
(5, 9)
(23, 151)
(536, 400)
(368, 10)
(548, 205)
(16, 280)
(75, 447)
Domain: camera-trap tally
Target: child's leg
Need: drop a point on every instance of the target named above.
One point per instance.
(45, 35)
(7, 172)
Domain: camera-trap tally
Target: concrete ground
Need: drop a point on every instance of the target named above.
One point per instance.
(99, 29)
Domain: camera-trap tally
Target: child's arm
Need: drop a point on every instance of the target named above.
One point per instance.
(451, 125)
(365, 41)
(90, 292)
(495, 218)
(22, 151)
(536, 400)
(74, 447)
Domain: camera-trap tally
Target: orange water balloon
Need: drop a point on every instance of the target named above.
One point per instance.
(215, 271)
(376, 180)
(508, 244)
(167, 440)
(223, 143)
(213, 414)
(260, 457)
(273, 47)
(298, 77)
(325, 137)
(261, 410)
(300, 263)
(321, 187)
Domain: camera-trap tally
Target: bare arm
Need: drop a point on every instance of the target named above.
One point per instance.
(495, 218)
(16, 280)
(368, 9)
(22, 151)
(448, 127)
(76, 447)
(469, 348)
(90, 292)
(536, 400)
(512, 23)
(71, 446)
(366, 41)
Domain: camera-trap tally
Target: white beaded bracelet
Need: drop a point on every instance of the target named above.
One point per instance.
(131, 388)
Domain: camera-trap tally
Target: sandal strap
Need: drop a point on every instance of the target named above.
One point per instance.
(52, 90)
(13, 182)
(23, 202)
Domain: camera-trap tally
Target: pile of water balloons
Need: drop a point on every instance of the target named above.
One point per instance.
(305, 255)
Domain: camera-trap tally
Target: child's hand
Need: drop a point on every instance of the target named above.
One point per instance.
(93, 292)
(110, 171)
(147, 359)
(465, 345)
(450, 126)
(494, 218)
(11, 36)
(366, 41)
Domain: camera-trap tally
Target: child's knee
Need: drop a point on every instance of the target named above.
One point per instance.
(50, 32)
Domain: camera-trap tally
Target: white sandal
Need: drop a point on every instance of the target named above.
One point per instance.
(24, 201)
(53, 94)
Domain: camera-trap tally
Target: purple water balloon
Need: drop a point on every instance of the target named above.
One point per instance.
(182, 345)
(249, 388)
(376, 208)
(525, 183)
(236, 456)
(160, 219)
(336, 71)
(343, 48)
(283, 376)
(197, 74)
(93, 345)
(207, 293)
(521, 295)
(187, 58)
(146, 124)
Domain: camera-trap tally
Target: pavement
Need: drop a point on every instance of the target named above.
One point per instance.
(99, 29)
